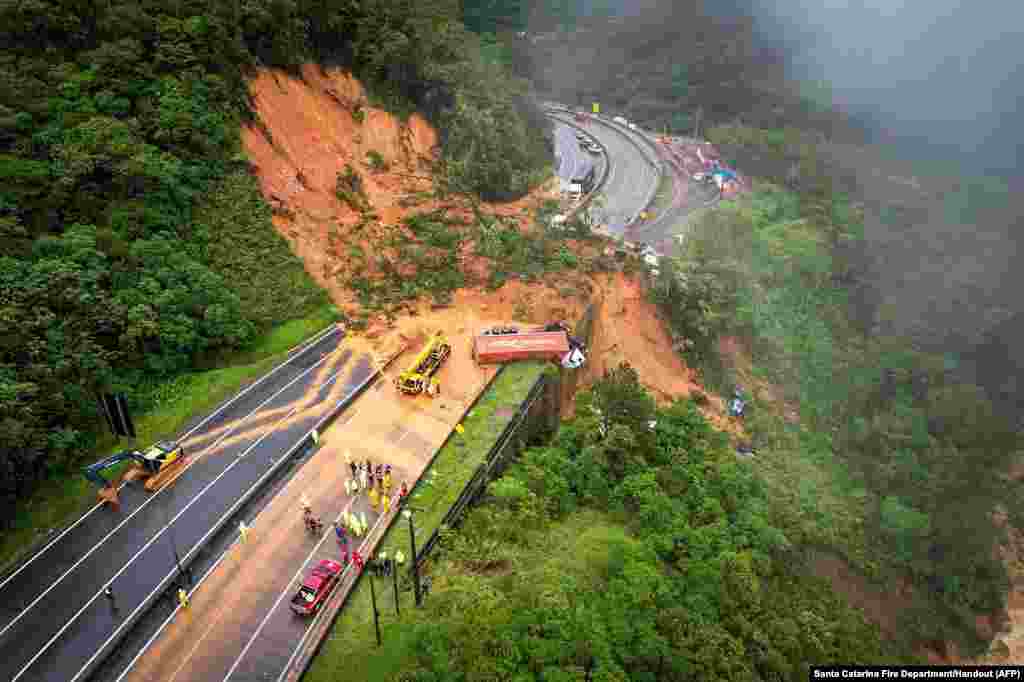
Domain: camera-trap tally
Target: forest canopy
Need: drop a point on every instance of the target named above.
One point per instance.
(122, 183)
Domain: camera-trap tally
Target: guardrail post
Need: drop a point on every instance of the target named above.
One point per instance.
(376, 614)
(415, 560)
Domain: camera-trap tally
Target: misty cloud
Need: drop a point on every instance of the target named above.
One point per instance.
(938, 72)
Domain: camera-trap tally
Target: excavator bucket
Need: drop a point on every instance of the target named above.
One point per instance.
(109, 495)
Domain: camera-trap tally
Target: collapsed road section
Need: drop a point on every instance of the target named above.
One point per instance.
(61, 619)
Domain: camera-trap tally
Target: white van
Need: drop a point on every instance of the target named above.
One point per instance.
(621, 121)
(575, 190)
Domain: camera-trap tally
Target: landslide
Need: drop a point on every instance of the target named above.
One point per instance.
(309, 128)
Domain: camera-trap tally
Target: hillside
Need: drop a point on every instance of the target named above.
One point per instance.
(136, 245)
(385, 253)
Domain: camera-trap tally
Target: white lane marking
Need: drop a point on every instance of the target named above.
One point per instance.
(143, 549)
(288, 588)
(305, 635)
(214, 527)
(192, 652)
(209, 572)
(309, 344)
(177, 608)
(142, 506)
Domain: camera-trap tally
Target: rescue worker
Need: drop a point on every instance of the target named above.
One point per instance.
(387, 479)
(362, 478)
(386, 503)
(374, 498)
(352, 465)
(403, 493)
(736, 405)
(357, 559)
(370, 476)
(362, 521)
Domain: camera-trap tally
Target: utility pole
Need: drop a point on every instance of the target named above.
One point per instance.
(373, 603)
(415, 564)
(394, 579)
(174, 545)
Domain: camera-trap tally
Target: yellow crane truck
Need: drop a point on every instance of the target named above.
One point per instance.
(419, 377)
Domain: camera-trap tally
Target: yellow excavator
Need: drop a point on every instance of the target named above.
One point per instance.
(159, 465)
(419, 377)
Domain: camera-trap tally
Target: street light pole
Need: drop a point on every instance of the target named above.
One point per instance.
(394, 579)
(373, 602)
(174, 545)
(415, 564)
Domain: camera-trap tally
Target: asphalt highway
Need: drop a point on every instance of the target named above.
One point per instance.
(629, 179)
(54, 616)
(573, 162)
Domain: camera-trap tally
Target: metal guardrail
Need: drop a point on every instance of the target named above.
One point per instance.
(599, 185)
(310, 645)
(186, 560)
(40, 545)
(482, 474)
(631, 136)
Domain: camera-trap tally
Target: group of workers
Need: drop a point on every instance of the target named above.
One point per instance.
(377, 481)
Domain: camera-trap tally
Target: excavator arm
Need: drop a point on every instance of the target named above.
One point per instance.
(93, 471)
(159, 465)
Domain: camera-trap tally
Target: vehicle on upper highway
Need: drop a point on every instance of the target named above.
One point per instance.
(313, 593)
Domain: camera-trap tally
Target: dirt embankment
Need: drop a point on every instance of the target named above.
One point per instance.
(308, 129)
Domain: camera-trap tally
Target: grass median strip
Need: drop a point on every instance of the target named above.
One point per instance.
(351, 646)
(177, 401)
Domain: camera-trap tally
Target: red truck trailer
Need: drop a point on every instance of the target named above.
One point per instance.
(490, 349)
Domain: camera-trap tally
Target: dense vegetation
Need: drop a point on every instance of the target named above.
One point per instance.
(674, 65)
(133, 242)
(898, 463)
(625, 552)
(428, 256)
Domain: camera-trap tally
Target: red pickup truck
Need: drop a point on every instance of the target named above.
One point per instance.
(313, 593)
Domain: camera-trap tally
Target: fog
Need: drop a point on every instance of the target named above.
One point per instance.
(944, 76)
(938, 84)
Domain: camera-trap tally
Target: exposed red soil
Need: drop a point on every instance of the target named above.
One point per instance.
(308, 132)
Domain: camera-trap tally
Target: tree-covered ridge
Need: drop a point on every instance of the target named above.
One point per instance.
(899, 464)
(132, 238)
(630, 553)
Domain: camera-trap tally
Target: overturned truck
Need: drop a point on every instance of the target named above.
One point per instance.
(508, 344)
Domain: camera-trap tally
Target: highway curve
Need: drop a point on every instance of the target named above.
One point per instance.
(55, 623)
(631, 177)
(573, 162)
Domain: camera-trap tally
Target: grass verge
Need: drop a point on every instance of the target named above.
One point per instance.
(577, 546)
(663, 197)
(438, 488)
(60, 500)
